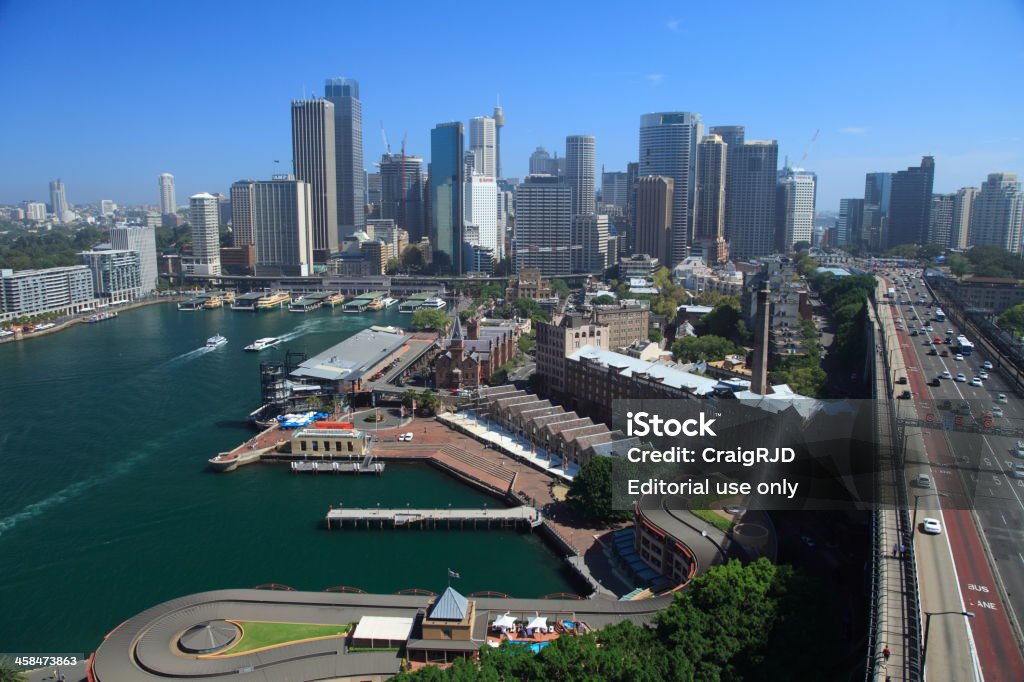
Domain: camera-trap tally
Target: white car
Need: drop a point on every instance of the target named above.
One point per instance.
(986, 365)
(947, 375)
(961, 378)
(924, 481)
(931, 526)
(997, 411)
(1018, 470)
(928, 328)
(958, 357)
(983, 375)
(401, 436)
(976, 382)
(408, 436)
(1001, 398)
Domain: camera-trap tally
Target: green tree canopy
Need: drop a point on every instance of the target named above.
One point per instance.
(603, 299)
(591, 491)
(710, 348)
(430, 319)
(560, 288)
(1012, 320)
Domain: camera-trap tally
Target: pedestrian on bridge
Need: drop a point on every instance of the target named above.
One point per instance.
(886, 652)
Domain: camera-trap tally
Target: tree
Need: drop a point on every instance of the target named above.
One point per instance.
(654, 336)
(430, 319)
(1012, 320)
(412, 258)
(394, 265)
(723, 321)
(9, 672)
(591, 491)
(529, 308)
(709, 348)
(802, 245)
(427, 403)
(559, 287)
(958, 265)
(603, 299)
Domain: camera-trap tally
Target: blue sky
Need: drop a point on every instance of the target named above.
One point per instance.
(107, 95)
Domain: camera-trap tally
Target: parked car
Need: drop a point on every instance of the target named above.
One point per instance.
(1018, 470)
(931, 526)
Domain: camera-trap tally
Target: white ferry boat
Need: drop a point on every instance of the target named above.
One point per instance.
(433, 304)
(388, 301)
(259, 344)
(215, 341)
(44, 326)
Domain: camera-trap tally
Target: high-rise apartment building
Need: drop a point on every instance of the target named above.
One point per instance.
(349, 176)
(205, 223)
(581, 160)
(35, 210)
(481, 196)
(243, 231)
(543, 229)
(963, 206)
(58, 200)
(32, 292)
(751, 174)
(168, 202)
(446, 194)
(142, 240)
(483, 143)
(281, 210)
(910, 201)
(653, 229)
(668, 147)
(315, 161)
(116, 274)
(794, 204)
(499, 123)
(709, 219)
(590, 233)
(401, 193)
(940, 219)
(996, 219)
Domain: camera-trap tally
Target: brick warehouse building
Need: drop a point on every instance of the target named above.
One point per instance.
(470, 359)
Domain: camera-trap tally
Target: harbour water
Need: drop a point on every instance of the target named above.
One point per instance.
(108, 506)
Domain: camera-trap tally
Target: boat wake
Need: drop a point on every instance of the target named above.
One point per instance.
(185, 357)
(70, 492)
(302, 330)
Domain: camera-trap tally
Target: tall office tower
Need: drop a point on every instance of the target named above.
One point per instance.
(143, 241)
(590, 233)
(243, 231)
(632, 174)
(940, 219)
(168, 202)
(668, 147)
(541, 163)
(850, 226)
(750, 197)
(794, 205)
(615, 189)
(709, 228)
(998, 213)
(963, 206)
(281, 211)
(581, 161)
(543, 231)
(205, 222)
(734, 138)
(499, 123)
(349, 176)
(878, 191)
(58, 201)
(483, 143)
(910, 203)
(482, 211)
(468, 162)
(446, 203)
(313, 152)
(653, 229)
(401, 193)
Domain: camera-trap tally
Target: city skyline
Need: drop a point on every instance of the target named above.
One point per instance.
(903, 121)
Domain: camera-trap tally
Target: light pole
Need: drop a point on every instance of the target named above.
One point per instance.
(927, 621)
(913, 526)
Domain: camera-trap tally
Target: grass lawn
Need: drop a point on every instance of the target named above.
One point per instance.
(258, 634)
(714, 518)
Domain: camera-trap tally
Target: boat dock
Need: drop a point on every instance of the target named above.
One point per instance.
(334, 299)
(276, 299)
(246, 302)
(514, 517)
(372, 300)
(308, 302)
(412, 304)
(192, 304)
(367, 466)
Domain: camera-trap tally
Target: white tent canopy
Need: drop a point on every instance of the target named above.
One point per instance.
(505, 621)
(537, 622)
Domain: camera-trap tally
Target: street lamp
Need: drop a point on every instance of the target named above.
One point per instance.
(927, 621)
(913, 526)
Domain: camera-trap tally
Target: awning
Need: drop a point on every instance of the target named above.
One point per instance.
(505, 621)
(538, 622)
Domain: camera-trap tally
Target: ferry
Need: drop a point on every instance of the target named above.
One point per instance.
(433, 303)
(335, 299)
(273, 300)
(213, 302)
(100, 317)
(215, 341)
(388, 301)
(259, 344)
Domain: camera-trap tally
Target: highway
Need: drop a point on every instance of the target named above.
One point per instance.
(968, 471)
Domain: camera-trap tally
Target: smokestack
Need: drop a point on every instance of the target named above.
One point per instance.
(759, 380)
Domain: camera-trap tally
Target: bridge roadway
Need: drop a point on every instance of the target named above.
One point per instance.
(144, 648)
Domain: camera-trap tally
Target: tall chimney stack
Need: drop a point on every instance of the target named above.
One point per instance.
(759, 380)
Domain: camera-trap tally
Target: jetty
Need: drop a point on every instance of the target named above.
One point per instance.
(308, 302)
(513, 517)
(373, 300)
(367, 466)
(246, 301)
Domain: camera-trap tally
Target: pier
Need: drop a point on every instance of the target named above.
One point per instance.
(246, 302)
(367, 466)
(514, 517)
(308, 302)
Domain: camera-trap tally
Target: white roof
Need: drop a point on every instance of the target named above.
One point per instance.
(505, 621)
(669, 374)
(383, 627)
(538, 622)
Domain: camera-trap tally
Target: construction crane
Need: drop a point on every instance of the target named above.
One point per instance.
(387, 147)
(810, 144)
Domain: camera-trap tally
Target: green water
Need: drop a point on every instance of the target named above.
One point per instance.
(107, 506)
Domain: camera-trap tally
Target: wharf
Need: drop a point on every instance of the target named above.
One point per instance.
(364, 467)
(246, 301)
(372, 300)
(434, 518)
(308, 302)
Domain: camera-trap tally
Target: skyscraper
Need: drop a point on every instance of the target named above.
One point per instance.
(733, 137)
(349, 176)
(668, 147)
(281, 210)
(483, 144)
(243, 231)
(168, 203)
(910, 203)
(850, 225)
(313, 153)
(543, 228)
(58, 201)
(482, 211)
(590, 234)
(878, 191)
(581, 160)
(653, 230)
(401, 193)
(963, 206)
(615, 189)
(996, 219)
(712, 171)
(940, 219)
(499, 123)
(205, 223)
(446, 186)
(794, 205)
(542, 163)
(750, 197)
(143, 241)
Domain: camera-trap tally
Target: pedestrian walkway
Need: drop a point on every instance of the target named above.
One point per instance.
(513, 445)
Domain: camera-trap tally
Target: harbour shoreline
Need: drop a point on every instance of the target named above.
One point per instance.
(68, 324)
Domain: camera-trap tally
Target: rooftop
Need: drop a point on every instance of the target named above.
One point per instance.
(352, 358)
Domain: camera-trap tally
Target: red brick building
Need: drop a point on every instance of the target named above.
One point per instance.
(470, 359)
